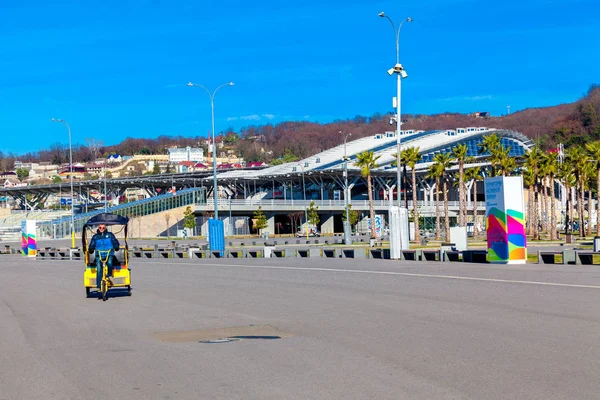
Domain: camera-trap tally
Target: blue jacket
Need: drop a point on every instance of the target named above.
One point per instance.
(104, 241)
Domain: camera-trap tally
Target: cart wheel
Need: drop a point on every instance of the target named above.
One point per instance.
(87, 292)
(103, 290)
(129, 290)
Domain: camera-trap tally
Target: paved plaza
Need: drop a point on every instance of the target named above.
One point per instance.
(348, 329)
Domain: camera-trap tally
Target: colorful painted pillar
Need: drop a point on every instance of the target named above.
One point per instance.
(28, 238)
(505, 220)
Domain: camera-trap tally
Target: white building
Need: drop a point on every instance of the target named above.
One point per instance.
(177, 155)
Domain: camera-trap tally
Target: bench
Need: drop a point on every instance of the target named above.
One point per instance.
(409, 255)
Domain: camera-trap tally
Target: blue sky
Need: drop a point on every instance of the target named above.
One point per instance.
(114, 69)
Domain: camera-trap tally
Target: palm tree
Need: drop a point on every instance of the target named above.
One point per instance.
(578, 161)
(543, 176)
(530, 178)
(566, 175)
(460, 154)
(491, 144)
(532, 163)
(590, 171)
(506, 162)
(436, 173)
(594, 150)
(551, 171)
(474, 174)
(444, 161)
(411, 157)
(367, 161)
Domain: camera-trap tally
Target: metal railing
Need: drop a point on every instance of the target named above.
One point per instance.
(237, 203)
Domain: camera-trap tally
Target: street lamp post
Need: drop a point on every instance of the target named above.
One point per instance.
(398, 69)
(230, 223)
(304, 197)
(212, 105)
(347, 225)
(105, 192)
(71, 179)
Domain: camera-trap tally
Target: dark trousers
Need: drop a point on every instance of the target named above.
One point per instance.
(100, 269)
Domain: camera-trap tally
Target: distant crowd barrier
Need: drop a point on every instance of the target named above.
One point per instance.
(273, 250)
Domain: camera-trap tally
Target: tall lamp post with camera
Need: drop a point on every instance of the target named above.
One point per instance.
(398, 234)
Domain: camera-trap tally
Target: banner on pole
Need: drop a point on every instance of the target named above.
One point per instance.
(505, 220)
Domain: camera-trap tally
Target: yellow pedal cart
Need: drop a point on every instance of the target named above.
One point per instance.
(121, 274)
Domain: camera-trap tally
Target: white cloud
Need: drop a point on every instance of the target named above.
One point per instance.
(252, 117)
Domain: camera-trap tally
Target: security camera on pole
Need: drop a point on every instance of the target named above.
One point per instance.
(398, 216)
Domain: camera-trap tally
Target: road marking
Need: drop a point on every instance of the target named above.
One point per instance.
(464, 278)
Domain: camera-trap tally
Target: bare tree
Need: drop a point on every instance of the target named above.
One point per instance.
(167, 217)
(94, 147)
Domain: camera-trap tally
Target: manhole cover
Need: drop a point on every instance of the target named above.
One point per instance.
(223, 335)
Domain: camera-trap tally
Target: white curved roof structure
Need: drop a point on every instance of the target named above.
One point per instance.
(384, 145)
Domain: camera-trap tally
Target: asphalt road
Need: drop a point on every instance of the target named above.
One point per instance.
(367, 329)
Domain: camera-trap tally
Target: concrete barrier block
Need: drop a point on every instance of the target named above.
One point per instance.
(254, 254)
(315, 252)
(236, 253)
(277, 253)
(376, 253)
(409, 255)
(330, 253)
(569, 257)
(302, 253)
(349, 253)
(430, 255)
(216, 254)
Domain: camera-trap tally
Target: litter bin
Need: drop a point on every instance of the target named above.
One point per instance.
(596, 244)
(372, 242)
(568, 238)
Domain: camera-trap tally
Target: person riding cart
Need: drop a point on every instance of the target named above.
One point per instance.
(103, 245)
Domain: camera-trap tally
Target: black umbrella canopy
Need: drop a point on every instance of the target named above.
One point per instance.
(107, 219)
